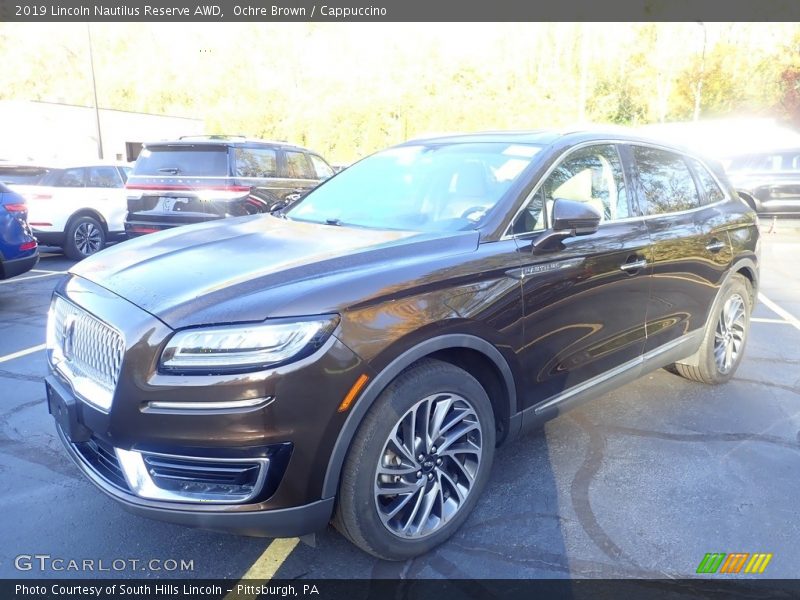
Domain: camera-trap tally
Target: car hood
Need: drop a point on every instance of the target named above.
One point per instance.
(239, 269)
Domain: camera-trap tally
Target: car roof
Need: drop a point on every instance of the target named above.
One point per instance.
(222, 140)
(65, 164)
(568, 135)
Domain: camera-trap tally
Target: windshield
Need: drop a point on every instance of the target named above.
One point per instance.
(419, 187)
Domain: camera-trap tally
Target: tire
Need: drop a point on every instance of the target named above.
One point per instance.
(713, 364)
(437, 484)
(85, 236)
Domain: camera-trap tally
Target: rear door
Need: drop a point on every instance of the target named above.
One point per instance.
(63, 192)
(691, 249)
(584, 303)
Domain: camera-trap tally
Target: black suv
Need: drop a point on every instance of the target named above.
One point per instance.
(359, 356)
(197, 179)
(768, 181)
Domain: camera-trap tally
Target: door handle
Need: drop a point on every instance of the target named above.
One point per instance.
(715, 245)
(634, 266)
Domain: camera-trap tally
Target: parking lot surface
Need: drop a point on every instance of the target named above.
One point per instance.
(640, 482)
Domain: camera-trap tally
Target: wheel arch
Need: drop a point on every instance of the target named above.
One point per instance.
(87, 212)
(463, 350)
(747, 268)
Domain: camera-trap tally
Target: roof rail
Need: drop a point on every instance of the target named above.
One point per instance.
(215, 136)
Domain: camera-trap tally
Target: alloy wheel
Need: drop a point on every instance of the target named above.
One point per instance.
(730, 333)
(428, 466)
(88, 238)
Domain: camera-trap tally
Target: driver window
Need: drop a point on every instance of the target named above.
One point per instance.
(592, 175)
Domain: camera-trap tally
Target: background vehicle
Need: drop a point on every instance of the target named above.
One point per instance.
(78, 206)
(197, 179)
(768, 181)
(18, 248)
(361, 359)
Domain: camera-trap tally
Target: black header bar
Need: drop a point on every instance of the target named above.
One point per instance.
(187, 11)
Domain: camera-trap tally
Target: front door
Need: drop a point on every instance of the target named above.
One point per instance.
(584, 302)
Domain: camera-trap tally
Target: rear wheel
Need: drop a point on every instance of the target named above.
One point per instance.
(418, 463)
(726, 334)
(85, 236)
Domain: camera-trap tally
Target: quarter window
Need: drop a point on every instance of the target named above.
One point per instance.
(707, 182)
(592, 175)
(256, 162)
(666, 182)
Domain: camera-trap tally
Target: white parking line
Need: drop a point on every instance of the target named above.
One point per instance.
(19, 279)
(21, 353)
(779, 311)
(762, 320)
(49, 272)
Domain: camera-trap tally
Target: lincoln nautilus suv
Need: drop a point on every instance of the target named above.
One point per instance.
(357, 357)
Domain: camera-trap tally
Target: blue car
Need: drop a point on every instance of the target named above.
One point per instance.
(19, 251)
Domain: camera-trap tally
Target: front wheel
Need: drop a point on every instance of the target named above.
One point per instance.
(85, 236)
(726, 334)
(418, 463)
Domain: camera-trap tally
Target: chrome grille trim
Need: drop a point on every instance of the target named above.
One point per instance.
(86, 351)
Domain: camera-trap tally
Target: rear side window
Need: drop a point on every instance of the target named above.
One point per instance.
(70, 178)
(297, 166)
(707, 182)
(322, 169)
(22, 174)
(256, 162)
(103, 177)
(192, 161)
(665, 181)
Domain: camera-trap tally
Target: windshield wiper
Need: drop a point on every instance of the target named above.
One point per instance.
(170, 170)
(337, 222)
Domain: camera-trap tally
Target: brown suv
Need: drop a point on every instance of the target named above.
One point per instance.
(359, 357)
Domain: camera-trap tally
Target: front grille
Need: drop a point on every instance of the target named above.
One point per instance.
(87, 347)
(101, 457)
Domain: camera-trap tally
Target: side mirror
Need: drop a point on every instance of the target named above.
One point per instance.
(570, 218)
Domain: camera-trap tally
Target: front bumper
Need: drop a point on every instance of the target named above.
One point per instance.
(285, 522)
(301, 414)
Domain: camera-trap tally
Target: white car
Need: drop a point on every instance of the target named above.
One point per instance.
(78, 207)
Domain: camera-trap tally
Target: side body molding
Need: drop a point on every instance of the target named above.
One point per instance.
(376, 386)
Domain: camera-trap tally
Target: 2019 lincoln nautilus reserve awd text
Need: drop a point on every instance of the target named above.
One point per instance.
(358, 356)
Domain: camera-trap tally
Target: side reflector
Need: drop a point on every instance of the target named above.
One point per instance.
(28, 246)
(351, 395)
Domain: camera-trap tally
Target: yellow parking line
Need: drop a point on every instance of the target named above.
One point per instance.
(25, 352)
(779, 311)
(266, 565)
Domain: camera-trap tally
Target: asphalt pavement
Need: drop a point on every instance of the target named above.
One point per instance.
(642, 482)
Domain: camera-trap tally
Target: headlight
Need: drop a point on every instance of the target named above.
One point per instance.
(240, 348)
